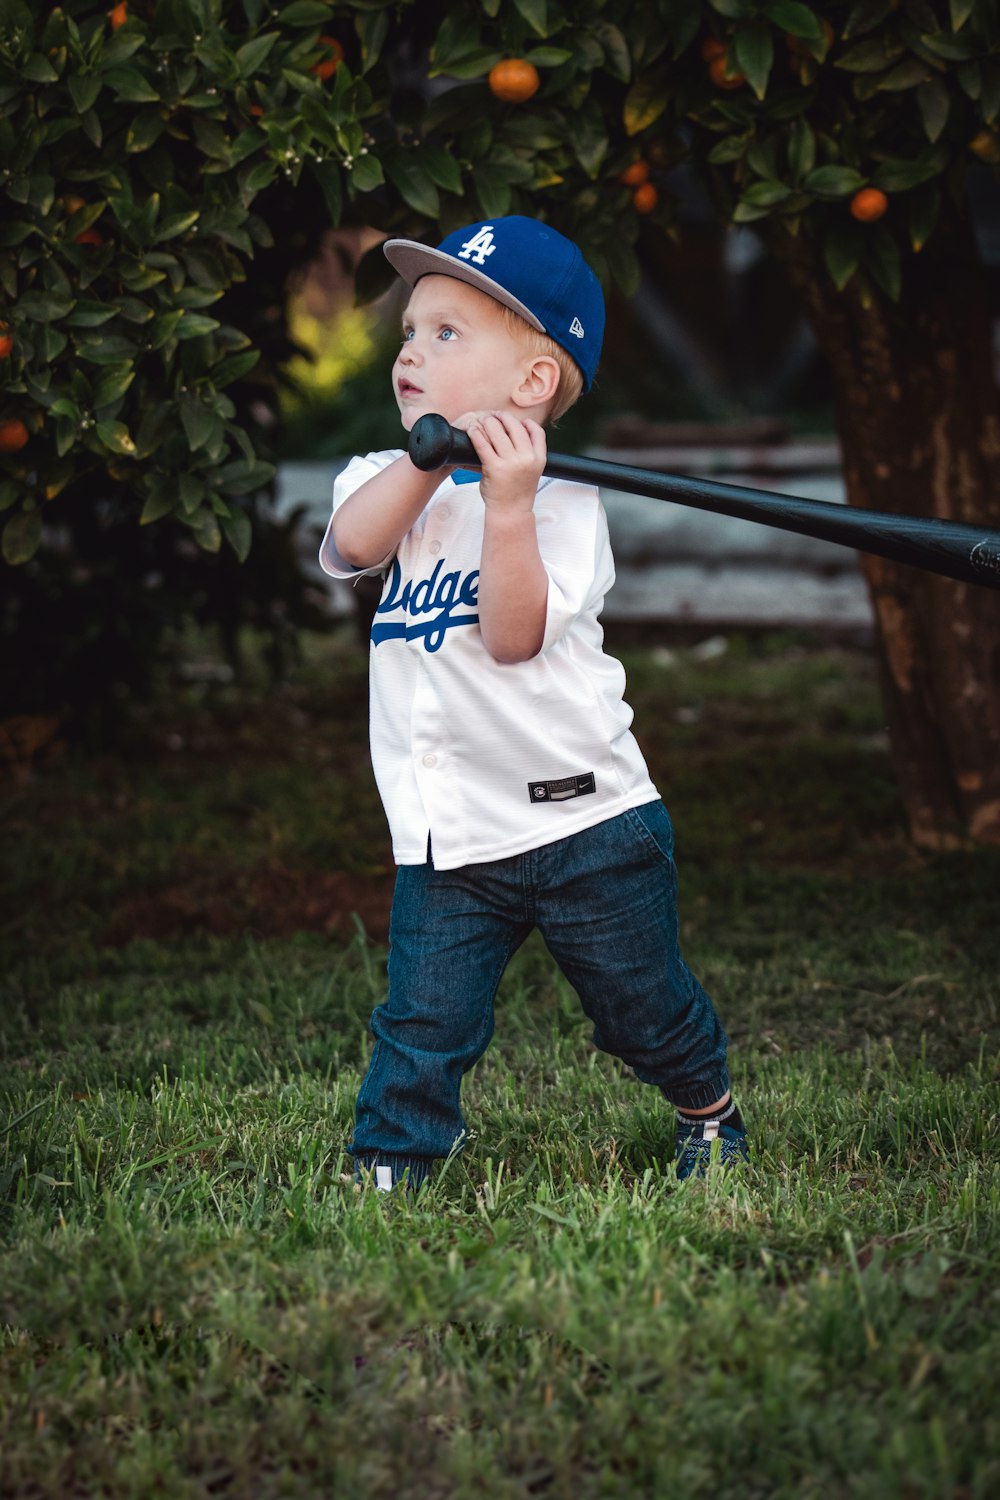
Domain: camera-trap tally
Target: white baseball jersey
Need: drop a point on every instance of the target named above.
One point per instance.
(492, 759)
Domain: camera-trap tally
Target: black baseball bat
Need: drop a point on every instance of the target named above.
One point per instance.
(953, 548)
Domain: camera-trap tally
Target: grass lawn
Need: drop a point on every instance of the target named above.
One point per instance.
(196, 1300)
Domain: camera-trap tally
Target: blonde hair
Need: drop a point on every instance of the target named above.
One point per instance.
(535, 342)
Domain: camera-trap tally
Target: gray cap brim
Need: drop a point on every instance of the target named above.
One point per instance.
(413, 260)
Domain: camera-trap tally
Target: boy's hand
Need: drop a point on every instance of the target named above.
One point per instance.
(512, 452)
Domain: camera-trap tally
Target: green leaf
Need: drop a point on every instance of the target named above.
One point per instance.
(21, 536)
(801, 149)
(206, 531)
(16, 231)
(305, 13)
(535, 13)
(746, 213)
(441, 166)
(113, 384)
(366, 173)
(754, 47)
(237, 530)
(413, 183)
(960, 11)
(864, 17)
(175, 224)
(897, 175)
(327, 174)
(797, 19)
(84, 89)
(115, 437)
(39, 70)
(905, 75)
(548, 57)
(131, 86)
(953, 48)
(242, 478)
(90, 314)
(616, 52)
(44, 307)
(869, 57)
(730, 148)
(766, 194)
(372, 30)
(732, 9)
(882, 262)
(162, 500)
(199, 422)
(935, 104)
(645, 102)
(833, 182)
(492, 189)
(925, 210)
(590, 141)
(250, 56)
(193, 325)
(144, 131)
(234, 367)
(842, 248)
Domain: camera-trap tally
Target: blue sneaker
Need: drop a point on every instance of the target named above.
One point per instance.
(694, 1147)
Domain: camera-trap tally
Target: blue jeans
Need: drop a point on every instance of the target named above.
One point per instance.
(605, 902)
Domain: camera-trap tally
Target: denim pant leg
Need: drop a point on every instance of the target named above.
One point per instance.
(451, 934)
(607, 909)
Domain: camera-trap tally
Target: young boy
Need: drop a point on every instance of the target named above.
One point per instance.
(515, 793)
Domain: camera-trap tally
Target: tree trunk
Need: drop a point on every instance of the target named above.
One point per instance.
(919, 421)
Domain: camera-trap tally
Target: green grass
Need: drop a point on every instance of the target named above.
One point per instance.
(194, 1297)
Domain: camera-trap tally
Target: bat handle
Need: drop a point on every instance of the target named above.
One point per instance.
(434, 443)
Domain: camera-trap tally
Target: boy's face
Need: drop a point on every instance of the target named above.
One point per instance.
(457, 355)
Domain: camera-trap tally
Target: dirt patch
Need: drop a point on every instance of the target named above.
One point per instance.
(273, 899)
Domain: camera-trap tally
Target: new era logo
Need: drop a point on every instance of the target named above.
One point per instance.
(576, 328)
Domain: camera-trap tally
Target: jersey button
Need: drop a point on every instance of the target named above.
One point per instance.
(430, 760)
(444, 511)
(435, 548)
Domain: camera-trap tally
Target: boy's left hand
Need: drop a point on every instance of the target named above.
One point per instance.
(512, 451)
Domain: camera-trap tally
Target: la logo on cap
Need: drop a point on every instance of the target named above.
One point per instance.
(479, 246)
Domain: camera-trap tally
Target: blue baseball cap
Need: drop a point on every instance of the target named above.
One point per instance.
(526, 265)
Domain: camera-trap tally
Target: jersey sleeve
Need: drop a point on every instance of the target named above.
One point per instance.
(357, 472)
(575, 549)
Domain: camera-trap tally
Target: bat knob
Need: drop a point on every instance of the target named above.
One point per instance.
(434, 443)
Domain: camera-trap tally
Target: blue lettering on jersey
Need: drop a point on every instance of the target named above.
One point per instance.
(439, 596)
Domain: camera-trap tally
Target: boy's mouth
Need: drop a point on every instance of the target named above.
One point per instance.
(407, 388)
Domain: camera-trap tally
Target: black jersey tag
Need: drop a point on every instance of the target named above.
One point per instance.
(559, 791)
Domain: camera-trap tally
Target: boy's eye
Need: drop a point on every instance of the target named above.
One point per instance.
(407, 335)
(448, 333)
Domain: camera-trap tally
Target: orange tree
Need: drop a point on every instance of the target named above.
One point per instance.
(844, 133)
(152, 152)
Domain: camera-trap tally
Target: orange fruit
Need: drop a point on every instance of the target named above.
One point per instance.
(721, 77)
(118, 16)
(986, 145)
(712, 48)
(6, 342)
(645, 198)
(514, 80)
(330, 64)
(256, 110)
(869, 204)
(72, 203)
(90, 237)
(13, 435)
(636, 174)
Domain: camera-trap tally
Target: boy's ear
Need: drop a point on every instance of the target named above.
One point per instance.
(539, 383)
